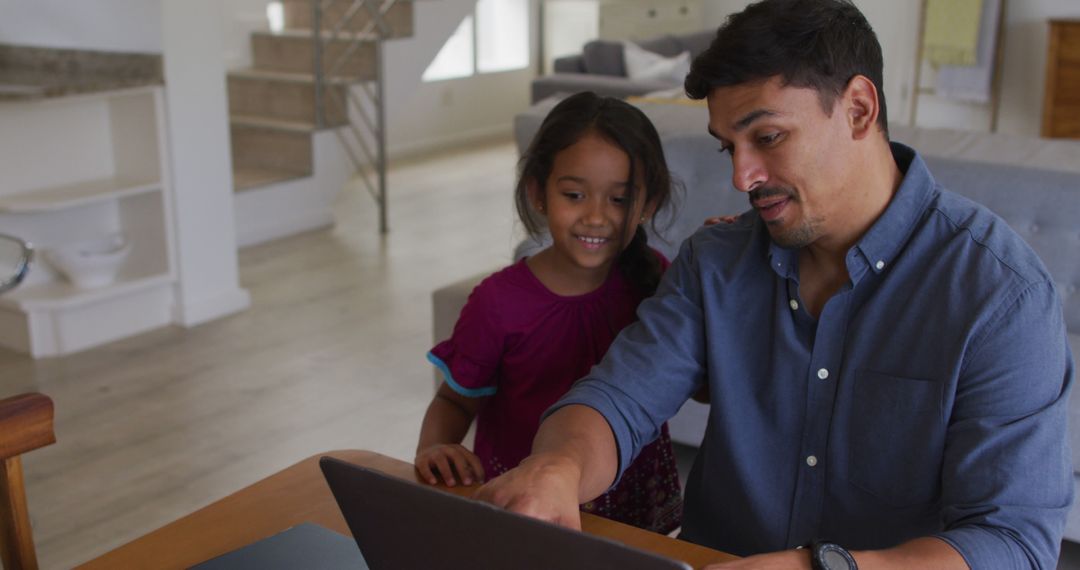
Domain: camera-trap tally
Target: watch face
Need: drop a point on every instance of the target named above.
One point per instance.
(835, 560)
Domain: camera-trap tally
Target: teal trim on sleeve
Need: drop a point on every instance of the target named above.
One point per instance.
(467, 392)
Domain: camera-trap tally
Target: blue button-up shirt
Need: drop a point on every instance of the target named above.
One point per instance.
(928, 398)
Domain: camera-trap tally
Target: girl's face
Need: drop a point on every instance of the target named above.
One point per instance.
(586, 201)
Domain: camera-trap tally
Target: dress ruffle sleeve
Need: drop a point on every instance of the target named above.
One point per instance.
(469, 359)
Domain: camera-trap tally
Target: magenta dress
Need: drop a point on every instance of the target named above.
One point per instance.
(523, 346)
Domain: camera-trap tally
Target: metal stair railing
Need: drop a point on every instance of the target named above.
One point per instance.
(368, 97)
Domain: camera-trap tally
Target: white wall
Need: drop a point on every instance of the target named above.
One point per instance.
(428, 116)
(106, 25)
(1023, 72)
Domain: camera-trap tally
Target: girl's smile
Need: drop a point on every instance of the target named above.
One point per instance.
(593, 243)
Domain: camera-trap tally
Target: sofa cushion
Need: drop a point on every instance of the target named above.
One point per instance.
(569, 64)
(561, 85)
(1047, 219)
(605, 57)
(602, 57)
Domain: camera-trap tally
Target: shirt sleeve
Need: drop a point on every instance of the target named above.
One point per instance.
(653, 365)
(470, 358)
(1007, 471)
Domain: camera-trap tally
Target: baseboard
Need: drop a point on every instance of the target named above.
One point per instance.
(429, 145)
(206, 310)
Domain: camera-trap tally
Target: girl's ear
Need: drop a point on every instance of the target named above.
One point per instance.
(649, 210)
(536, 195)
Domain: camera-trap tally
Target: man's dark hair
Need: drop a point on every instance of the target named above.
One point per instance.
(820, 44)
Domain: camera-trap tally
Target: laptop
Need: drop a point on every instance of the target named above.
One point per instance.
(401, 524)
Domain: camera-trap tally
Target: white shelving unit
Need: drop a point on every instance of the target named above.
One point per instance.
(78, 168)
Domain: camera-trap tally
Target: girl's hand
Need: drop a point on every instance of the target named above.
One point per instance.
(446, 459)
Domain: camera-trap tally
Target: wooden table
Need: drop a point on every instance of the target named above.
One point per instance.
(299, 494)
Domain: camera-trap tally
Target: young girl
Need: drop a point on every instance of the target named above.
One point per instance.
(593, 174)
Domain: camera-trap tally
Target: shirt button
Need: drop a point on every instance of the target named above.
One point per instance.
(794, 305)
(880, 265)
(823, 374)
(811, 460)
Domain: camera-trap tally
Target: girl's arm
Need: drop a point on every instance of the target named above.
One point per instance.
(440, 453)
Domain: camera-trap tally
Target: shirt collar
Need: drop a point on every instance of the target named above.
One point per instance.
(882, 242)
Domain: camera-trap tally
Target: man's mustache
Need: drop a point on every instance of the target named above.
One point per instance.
(770, 192)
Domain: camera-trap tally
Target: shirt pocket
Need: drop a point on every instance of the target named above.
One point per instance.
(897, 438)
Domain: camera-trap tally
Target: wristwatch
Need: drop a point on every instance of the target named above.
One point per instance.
(830, 556)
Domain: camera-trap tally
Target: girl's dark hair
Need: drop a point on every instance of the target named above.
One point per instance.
(821, 44)
(626, 127)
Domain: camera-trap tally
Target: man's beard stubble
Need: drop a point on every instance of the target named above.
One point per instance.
(801, 235)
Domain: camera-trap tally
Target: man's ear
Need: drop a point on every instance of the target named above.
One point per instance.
(861, 106)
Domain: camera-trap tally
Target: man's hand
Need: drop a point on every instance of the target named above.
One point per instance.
(712, 221)
(784, 560)
(446, 459)
(542, 486)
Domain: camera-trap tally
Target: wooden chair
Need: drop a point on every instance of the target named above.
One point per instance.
(26, 423)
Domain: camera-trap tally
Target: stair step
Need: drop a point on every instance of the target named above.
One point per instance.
(305, 33)
(284, 97)
(271, 149)
(285, 76)
(251, 178)
(399, 17)
(277, 124)
(293, 52)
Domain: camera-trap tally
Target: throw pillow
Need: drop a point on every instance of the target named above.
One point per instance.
(644, 65)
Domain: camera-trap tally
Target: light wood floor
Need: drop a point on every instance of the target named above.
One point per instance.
(330, 355)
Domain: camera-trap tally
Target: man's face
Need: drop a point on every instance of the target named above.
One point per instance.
(791, 157)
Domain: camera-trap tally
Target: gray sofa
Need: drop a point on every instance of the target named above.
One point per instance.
(1041, 204)
(600, 67)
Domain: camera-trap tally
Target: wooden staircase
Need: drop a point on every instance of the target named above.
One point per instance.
(272, 105)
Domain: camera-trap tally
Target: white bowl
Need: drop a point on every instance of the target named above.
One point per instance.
(90, 263)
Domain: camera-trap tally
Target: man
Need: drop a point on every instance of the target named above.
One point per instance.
(887, 361)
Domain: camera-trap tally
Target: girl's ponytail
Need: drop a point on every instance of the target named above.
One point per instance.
(640, 265)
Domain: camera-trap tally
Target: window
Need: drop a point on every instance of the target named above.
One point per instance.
(275, 13)
(455, 59)
(499, 41)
